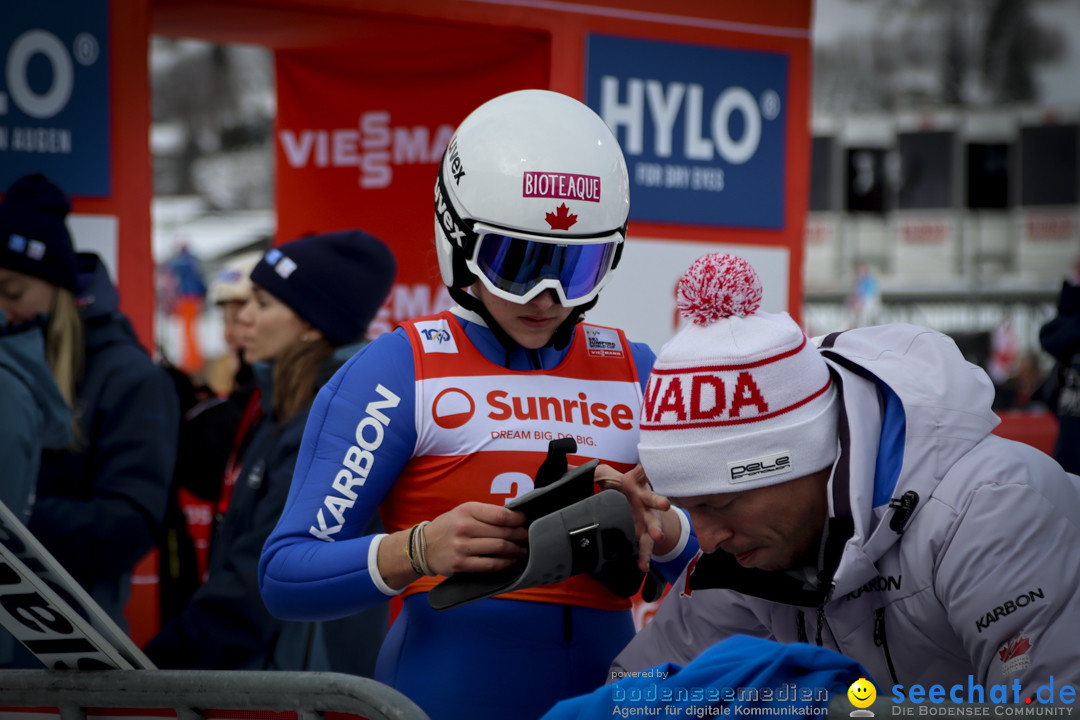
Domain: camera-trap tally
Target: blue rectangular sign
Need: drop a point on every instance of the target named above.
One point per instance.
(54, 95)
(702, 128)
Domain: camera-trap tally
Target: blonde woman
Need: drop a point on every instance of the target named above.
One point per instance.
(100, 501)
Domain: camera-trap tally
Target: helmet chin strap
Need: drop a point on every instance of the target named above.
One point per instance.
(565, 331)
(467, 300)
(559, 339)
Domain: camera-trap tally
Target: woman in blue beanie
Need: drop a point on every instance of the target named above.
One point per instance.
(312, 301)
(101, 500)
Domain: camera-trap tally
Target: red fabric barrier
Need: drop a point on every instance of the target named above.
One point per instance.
(1036, 428)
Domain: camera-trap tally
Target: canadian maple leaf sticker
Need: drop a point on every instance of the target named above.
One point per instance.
(561, 219)
(1015, 647)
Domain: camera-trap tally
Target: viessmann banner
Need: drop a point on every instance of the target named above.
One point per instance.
(361, 132)
(702, 128)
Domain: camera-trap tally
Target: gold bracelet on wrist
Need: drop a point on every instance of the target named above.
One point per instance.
(421, 554)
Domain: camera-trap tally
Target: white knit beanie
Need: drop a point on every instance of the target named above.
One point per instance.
(232, 283)
(737, 399)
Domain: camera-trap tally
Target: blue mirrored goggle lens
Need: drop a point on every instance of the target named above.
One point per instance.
(516, 266)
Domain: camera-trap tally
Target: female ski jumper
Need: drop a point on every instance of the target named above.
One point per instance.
(432, 415)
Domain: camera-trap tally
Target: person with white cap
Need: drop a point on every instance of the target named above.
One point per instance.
(214, 434)
(440, 423)
(852, 494)
(229, 290)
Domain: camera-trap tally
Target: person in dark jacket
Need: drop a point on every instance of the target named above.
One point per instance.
(312, 302)
(35, 417)
(35, 414)
(100, 501)
(1061, 338)
(214, 433)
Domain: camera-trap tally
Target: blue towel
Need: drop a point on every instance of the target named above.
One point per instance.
(740, 671)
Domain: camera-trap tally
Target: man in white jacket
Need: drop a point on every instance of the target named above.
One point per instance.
(852, 495)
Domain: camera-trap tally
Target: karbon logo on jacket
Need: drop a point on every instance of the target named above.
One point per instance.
(356, 465)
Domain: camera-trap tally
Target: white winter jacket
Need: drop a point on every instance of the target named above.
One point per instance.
(975, 572)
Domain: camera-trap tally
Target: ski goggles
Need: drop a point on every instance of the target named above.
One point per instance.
(518, 268)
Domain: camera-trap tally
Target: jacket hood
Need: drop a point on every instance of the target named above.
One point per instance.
(97, 294)
(912, 406)
(99, 305)
(22, 355)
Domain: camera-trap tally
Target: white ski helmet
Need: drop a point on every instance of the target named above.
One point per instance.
(532, 195)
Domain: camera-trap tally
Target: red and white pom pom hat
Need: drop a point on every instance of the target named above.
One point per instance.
(739, 398)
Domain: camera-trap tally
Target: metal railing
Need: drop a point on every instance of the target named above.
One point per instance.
(192, 693)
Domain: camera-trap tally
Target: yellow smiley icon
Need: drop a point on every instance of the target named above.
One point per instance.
(862, 693)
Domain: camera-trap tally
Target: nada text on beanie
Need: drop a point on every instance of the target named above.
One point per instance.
(34, 237)
(738, 398)
(337, 282)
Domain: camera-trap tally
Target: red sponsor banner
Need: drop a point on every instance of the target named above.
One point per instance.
(820, 231)
(1050, 226)
(361, 131)
(926, 231)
